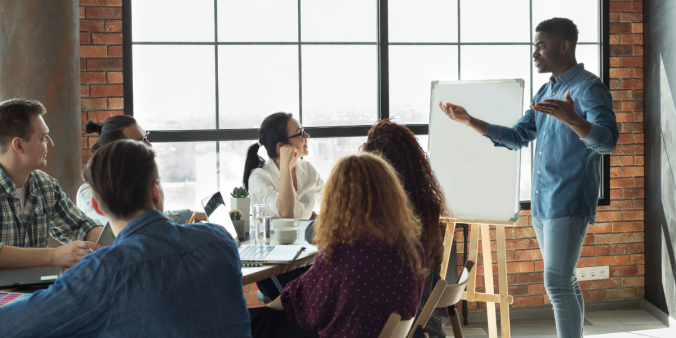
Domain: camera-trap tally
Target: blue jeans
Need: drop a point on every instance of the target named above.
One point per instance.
(560, 242)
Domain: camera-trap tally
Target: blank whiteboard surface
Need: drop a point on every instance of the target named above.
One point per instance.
(480, 181)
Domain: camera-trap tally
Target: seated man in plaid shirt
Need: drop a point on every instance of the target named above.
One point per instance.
(33, 206)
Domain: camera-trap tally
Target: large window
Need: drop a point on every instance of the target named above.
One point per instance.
(204, 73)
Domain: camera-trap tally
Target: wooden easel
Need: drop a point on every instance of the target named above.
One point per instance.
(503, 298)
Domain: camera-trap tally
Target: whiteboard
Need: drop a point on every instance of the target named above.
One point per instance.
(480, 181)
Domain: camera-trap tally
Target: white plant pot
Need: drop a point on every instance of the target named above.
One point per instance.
(243, 205)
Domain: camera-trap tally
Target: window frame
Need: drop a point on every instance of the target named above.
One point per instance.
(383, 83)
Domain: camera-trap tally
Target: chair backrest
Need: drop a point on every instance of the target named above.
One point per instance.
(395, 327)
(444, 295)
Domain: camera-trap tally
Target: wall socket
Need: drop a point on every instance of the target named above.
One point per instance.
(592, 272)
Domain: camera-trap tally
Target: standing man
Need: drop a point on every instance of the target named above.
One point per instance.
(572, 119)
(33, 206)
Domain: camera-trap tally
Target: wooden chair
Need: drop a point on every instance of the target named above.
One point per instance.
(395, 328)
(444, 296)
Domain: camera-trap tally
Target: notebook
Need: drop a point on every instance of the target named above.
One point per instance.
(29, 276)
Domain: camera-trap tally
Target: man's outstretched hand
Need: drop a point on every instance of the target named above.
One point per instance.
(456, 113)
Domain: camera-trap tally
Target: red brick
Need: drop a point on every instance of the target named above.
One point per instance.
(115, 51)
(619, 183)
(620, 28)
(639, 138)
(83, 64)
(93, 103)
(615, 194)
(595, 250)
(632, 149)
(639, 181)
(609, 216)
(116, 103)
(637, 28)
(614, 61)
(635, 237)
(115, 39)
(518, 267)
(614, 17)
(104, 64)
(116, 3)
(622, 117)
(527, 301)
(92, 2)
(539, 265)
(625, 138)
(100, 116)
(619, 73)
(516, 244)
(632, 39)
(594, 295)
(614, 260)
(621, 293)
(637, 50)
(641, 270)
(633, 281)
(630, 248)
(637, 6)
(616, 204)
(632, 171)
(84, 38)
(637, 259)
(113, 26)
(527, 278)
(614, 39)
(527, 255)
(620, 7)
(631, 17)
(586, 261)
(107, 90)
(525, 232)
(615, 172)
(534, 289)
(82, 13)
(114, 77)
(639, 204)
(110, 13)
(609, 238)
(588, 239)
(608, 283)
(514, 290)
(621, 50)
(633, 215)
(631, 128)
(637, 73)
(92, 77)
(91, 25)
(88, 51)
(84, 90)
(632, 106)
(92, 140)
(616, 161)
(627, 226)
(599, 227)
(251, 299)
(627, 270)
(615, 84)
(632, 84)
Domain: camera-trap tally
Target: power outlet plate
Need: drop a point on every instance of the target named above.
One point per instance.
(592, 273)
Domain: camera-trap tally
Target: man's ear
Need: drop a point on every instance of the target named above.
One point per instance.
(97, 207)
(155, 193)
(566, 47)
(17, 145)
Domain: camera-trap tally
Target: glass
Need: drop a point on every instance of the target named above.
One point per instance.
(260, 20)
(174, 87)
(584, 13)
(173, 20)
(340, 85)
(187, 172)
(422, 21)
(325, 152)
(254, 82)
(495, 21)
(262, 217)
(339, 21)
(410, 86)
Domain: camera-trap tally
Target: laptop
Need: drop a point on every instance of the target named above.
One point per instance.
(42, 276)
(250, 255)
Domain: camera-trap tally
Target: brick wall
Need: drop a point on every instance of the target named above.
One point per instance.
(100, 64)
(616, 239)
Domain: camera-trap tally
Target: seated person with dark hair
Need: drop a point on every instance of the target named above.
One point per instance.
(33, 204)
(159, 279)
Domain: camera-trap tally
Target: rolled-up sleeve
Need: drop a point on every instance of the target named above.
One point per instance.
(68, 222)
(262, 191)
(516, 137)
(597, 103)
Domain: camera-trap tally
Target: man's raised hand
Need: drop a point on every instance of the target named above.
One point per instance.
(456, 113)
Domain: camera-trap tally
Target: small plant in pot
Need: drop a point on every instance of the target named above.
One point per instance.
(238, 223)
(240, 201)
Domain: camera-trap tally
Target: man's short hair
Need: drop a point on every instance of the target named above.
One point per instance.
(560, 28)
(120, 174)
(15, 120)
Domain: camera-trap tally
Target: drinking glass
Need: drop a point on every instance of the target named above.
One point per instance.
(262, 215)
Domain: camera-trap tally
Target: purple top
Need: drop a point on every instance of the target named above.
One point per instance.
(356, 292)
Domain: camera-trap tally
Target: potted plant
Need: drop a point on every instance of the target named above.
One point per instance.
(238, 222)
(240, 201)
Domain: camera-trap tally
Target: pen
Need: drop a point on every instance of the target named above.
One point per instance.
(298, 254)
(192, 219)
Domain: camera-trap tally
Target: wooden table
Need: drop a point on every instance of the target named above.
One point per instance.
(255, 274)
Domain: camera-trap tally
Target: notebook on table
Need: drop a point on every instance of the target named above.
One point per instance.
(42, 276)
(249, 255)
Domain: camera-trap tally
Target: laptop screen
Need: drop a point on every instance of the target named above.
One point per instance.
(217, 213)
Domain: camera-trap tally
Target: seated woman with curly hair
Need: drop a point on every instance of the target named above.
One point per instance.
(399, 146)
(370, 263)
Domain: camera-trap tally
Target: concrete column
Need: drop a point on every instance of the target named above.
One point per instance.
(40, 60)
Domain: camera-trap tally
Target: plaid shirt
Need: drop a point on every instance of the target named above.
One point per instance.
(47, 210)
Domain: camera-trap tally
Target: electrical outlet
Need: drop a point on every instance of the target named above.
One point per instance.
(604, 272)
(593, 272)
(583, 274)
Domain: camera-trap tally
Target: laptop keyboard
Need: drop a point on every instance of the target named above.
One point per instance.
(255, 251)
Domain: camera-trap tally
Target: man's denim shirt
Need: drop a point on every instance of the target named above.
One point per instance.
(566, 170)
(158, 280)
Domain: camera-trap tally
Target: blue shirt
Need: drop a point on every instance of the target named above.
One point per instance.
(157, 280)
(566, 168)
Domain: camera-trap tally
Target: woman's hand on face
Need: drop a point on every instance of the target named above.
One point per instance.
(288, 155)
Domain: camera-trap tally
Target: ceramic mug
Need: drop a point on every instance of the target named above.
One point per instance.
(286, 235)
(283, 223)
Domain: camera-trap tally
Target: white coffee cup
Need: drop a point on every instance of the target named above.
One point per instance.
(283, 223)
(286, 235)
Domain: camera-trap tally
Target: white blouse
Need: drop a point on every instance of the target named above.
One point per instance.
(264, 188)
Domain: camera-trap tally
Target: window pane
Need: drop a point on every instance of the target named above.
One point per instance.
(587, 54)
(340, 85)
(410, 85)
(232, 155)
(423, 20)
(325, 152)
(495, 21)
(584, 13)
(258, 20)
(343, 21)
(174, 87)
(254, 82)
(173, 20)
(187, 172)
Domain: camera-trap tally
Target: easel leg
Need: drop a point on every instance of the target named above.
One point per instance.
(504, 287)
(473, 255)
(488, 279)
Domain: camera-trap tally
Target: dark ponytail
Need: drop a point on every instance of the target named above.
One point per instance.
(271, 132)
(111, 123)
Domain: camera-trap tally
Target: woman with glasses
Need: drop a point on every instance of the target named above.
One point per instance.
(289, 185)
(121, 127)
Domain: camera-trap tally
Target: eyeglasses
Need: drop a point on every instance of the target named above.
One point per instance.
(302, 134)
(144, 139)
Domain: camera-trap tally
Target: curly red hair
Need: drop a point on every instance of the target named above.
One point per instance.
(363, 197)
